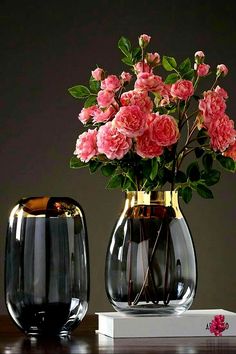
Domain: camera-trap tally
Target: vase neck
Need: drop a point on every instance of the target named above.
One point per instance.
(163, 198)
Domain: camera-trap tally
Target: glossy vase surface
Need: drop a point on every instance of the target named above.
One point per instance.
(47, 266)
(150, 263)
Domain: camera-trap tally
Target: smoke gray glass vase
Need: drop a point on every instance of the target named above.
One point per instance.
(47, 266)
(150, 263)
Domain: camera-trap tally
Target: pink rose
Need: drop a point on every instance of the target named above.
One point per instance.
(203, 69)
(111, 83)
(130, 121)
(231, 151)
(222, 70)
(87, 113)
(221, 92)
(112, 143)
(105, 98)
(148, 82)
(86, 145)
(153, 59)
(125, 77)
(164, 129)
(182, 89)
(142, 67)
(104, 116)
(146, 147)
(211, 106)
(137, 98)
(143, 40)
(199, 56)
(97, 74)
(222, 133)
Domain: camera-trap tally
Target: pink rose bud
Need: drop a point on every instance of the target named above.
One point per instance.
(143, 40)
(126, 77)
(222, 70)
(203, 69)
(199, 57)
(153, 59)
(97, 74)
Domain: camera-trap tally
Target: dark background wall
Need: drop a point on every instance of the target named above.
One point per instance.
(48, 46)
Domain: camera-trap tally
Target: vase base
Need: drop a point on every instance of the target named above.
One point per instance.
(155, 310)
(36, 334)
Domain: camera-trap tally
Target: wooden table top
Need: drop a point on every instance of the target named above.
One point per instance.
(85, 340)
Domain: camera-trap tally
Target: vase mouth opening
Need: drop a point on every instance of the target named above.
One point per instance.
(46, 206)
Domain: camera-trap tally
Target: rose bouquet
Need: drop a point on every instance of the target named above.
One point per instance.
(141, 126)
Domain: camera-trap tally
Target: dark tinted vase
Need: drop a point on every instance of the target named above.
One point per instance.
(47, 266)
(150, 262)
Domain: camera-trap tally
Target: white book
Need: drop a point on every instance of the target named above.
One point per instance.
(192, 323)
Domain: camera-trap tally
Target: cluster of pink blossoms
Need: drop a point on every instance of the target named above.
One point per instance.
(125, 121)
(220, 128)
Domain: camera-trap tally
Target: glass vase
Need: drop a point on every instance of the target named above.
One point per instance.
(47, 266)
(150, 262)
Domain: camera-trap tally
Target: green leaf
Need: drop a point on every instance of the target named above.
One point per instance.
(91, 100)
(169, 63)
(94, 85)
(75, 162)
(226, 162)
(127, 61)
(189, 75)
(180, 177)
(124, 45)
(211, 177)
(108, 170)
(146, 167)
(204, 192)
(198, 152)
(127, 184)
(154, 170)
(193, 172)
(137, 54)
(171, 78)
(185, 66)
(79, 91)
(207, 161)
(115, 181)
(186, 194)
(131, 175)
(94, 165)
